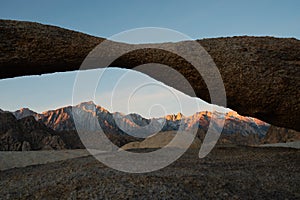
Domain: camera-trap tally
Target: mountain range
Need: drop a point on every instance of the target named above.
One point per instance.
(26, 134)
(25, 129)
(62, 120)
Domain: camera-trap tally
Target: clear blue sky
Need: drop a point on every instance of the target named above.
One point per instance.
(196, 19)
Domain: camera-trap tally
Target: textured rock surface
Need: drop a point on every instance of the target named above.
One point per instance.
(226, 173)
(26, 134)
(26, 146)
(260, 74)
(31, 48)
(280, 135)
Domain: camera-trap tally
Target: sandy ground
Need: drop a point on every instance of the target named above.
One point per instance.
(226, 173)
(13, 159)
(17, 159)
(295, 145)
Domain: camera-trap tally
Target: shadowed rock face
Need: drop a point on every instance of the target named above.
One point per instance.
(26, 134)
(31, 48)
(261, 74)
(280, 135)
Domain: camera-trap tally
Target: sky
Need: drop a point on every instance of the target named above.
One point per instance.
(196, 19)
(118, 90)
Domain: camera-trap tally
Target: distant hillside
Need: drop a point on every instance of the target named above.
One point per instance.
(26, 134)
(62, 120)
(55, 129)
(237, 129)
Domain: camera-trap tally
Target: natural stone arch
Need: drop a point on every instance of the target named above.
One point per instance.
(261, 74)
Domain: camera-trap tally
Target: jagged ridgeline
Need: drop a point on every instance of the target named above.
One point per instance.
(25, 129)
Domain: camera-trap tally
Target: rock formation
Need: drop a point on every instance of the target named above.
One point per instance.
(280, 135)
(26, 134)
(260, 74)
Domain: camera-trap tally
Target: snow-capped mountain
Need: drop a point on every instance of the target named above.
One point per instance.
(237, 129)
(92, 115)
(23, 112)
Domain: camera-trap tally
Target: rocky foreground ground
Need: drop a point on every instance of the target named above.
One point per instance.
(226, 173)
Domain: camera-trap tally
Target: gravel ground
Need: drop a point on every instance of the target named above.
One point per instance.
(295, 144)
(13, 159)
(226, 173)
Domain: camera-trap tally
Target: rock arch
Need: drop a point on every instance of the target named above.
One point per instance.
(261, 74)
